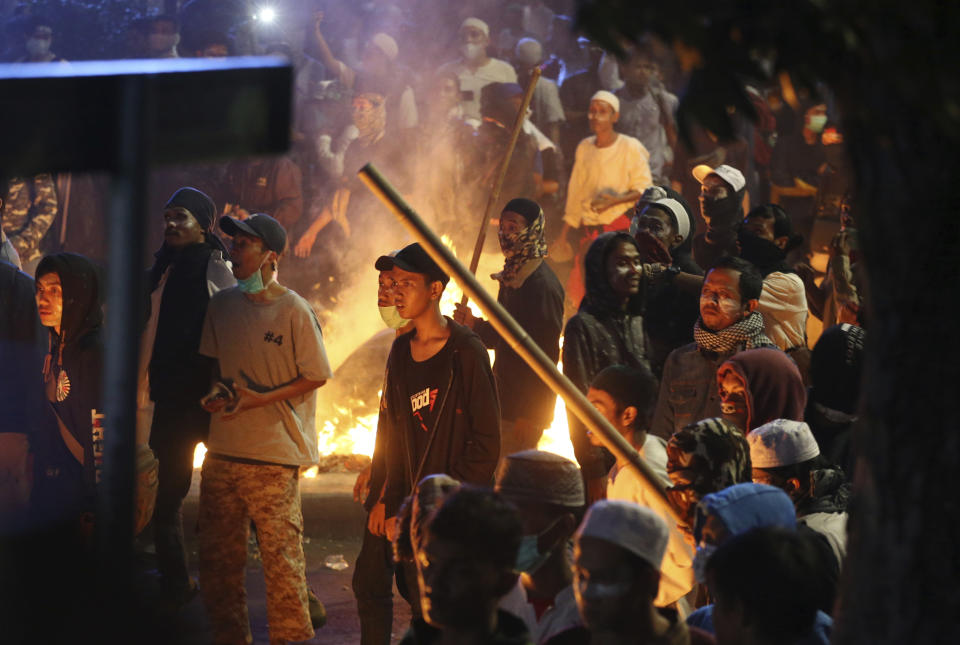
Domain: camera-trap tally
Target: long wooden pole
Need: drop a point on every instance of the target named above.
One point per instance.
(502, 174)
(513, 333)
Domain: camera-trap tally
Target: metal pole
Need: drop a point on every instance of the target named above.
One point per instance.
(502, 174)
(513, 333)
(125, 278)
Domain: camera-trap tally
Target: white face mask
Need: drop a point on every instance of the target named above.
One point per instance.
(391, 318)
(161, 43)
(472, 52)
(700, 560)
(817, 122)
(38, 47)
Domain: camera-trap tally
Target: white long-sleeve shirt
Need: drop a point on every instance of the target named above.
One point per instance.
(614, 170)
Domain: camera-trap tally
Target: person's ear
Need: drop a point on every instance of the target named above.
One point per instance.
(750, 306)
(615, 117)
(677, 240)
(628, 416)
(436, 290)
(793, 487)
(781, 241)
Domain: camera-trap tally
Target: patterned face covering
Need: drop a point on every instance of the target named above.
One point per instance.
(370, 116)
(519, 248)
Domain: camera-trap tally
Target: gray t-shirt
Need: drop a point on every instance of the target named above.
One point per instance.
(265, 346)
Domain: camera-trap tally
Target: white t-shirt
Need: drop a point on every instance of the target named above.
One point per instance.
(614, 170)
(265, 346)
(676, 572)
(783, 303)
(494, 71)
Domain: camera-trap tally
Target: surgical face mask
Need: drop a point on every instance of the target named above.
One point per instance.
(700, 559)
(38, 46)
(160, 43)
(472, 51)
(529, 557)
(391, 318)
(817, 122)
(251, 284)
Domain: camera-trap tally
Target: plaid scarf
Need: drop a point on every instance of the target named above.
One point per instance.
(746, 334)
(519, 248)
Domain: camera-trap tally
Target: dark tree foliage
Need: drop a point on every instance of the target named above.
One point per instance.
(891, 67)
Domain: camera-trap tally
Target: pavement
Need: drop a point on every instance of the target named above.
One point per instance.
(333, 525)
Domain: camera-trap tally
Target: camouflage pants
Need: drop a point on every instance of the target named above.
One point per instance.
(232, 494)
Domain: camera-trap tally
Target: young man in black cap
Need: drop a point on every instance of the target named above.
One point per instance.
(190, 267)
(532, 294)
(440, 394)
(268, 345)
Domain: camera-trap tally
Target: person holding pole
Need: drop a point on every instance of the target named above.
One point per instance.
(532, 294)
(440, 396)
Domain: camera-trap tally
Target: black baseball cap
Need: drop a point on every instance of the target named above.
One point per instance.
(414, 259)
(258, 225)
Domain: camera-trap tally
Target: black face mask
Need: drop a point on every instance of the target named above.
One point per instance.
(762, 253)
(721, 213)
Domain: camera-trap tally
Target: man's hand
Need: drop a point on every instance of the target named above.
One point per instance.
(214, 405)
(806, 273)
(391, 528)
(305, 245)
(603, 202)
(245, 399)
(840, 244)
(377, 521)
(362, 486)
(464, 316)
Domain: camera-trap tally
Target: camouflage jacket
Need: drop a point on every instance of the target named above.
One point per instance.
(29, 208)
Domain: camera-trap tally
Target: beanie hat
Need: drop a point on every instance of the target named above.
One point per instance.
(529, 52)
(629, 526)
(477, 24)
(782, 443)
(527, 207)
(197, 203)
(541, 477)
(607, 97)
(386, 44)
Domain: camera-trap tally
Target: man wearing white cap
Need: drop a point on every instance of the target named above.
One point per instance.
(546, 108)
(610, 173)
(475, 69)
(785, 454)
(617, 554)
(722, 191)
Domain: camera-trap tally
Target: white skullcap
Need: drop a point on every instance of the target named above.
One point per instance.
(630, 526)
(781, 442)
(529, 51)
(678, 212)
(727, 173)
(479, 24)
(541, 477)
(607, 97)
(386, 44)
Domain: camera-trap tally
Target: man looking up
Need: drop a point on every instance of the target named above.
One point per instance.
(188, 269)
(610, 171)
(531, 293)
(722, 191)
(548, 491)
(475, 68)
(440, 396)
(269, 350)
(626, 398)
(728, 323)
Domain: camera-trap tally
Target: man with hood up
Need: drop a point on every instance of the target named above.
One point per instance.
(721, 204)
(531, 293)
(70, 458)
(607, 330)
(189, 268)
(728, 323)
(757, 386)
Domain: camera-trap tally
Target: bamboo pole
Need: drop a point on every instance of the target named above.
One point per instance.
(501, 175)
(513, 333)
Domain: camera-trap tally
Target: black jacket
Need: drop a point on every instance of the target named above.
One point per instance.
(21, 351)
(465, 440)
(538, 307)
(75, 391)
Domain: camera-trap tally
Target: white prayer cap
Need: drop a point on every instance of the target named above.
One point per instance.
(607, 97)
(386, 44)
(727, 173)
(630, 526)
(529, 51)
(478, 24)
(781, 442)
(677, 212)
(541, 477)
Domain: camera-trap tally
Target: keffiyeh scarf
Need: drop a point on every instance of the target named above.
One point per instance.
(746, 334)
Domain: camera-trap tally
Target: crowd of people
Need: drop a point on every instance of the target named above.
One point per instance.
(674, 282)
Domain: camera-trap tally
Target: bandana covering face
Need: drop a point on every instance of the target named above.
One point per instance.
(746, 334)
(705, 457)
(371, 123)
(519, 248)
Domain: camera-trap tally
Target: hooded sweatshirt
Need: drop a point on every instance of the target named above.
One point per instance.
(601, 334)
(73, 372)
(774, 386)
(723, 218)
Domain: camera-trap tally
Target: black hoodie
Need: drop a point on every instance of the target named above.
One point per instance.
(74, 383)
(724, 217)
(599, 335)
